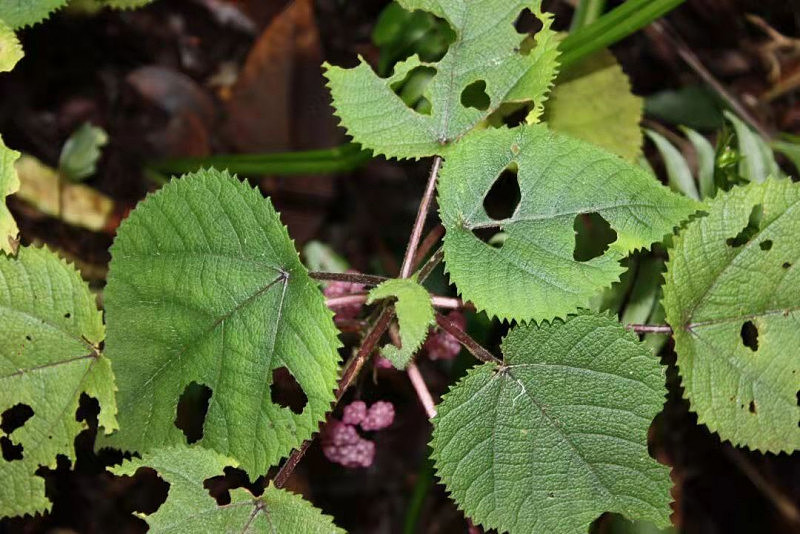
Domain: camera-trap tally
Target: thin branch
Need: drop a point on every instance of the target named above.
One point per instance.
(354, 278)
(360, 298)
(419, 223)
(427, 244)
(349, 374)
(346, 300)
(470, 344)
(650, 328)
(780, 500)
(447, 302)
(426, 270)
(423, 394)
(664, 29)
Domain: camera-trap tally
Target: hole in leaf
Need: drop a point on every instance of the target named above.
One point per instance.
(474, 96)
(747, 233)
(786, 265)
(11, 451)
(285, 391)
(67, 315)
(503, 197)
(593, 235)
(527, 22)
(509, 114)
(752, 407)
(219, 486)
(494, 236)
(148, 491)
(749, 335)
(411, 89)
(29, 338)
(192, 409)
(15, 417)
(765, 245)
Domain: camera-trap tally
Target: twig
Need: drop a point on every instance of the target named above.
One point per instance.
(350, 325)
(470, 344)
(782, 502)
(690, 58)
(427, 244)
(360, 298)
(349, 374)
(419, 223)
(426, 270)
(354, 278)
(650, 328)
(423, 394)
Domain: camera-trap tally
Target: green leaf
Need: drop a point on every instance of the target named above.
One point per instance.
(534, 274)
(190, 509)
(81, 152)
(758, 162)
(694, 106)
(205, 286)
(611, 120)
(557, 435)
(414, 313)
(678, 172)
(19, 13)
(9, 184)
(50, 329)
(487, 57)
(732, 296)
(10, 49)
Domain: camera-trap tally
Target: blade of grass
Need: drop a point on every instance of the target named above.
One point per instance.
(338, 159)
(586, 12)
(612, 27)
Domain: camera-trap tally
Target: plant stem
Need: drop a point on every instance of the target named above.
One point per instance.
(427, 244)
(353, 278)
(612, 27)
(650, 328)
(338, 159)
(423, 394)
(470, 344)
(349, 374)
(666, 31)
(426, 270)
(419, 223)
(586, 12)
(360, 298)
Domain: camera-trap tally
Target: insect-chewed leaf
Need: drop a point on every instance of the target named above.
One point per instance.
(414, 313)
(535, 273)
(49, 331)
(190, 509)
(732, 296)
(486, 66)
(9, 184)
(610, 121)
(556, 435)
(206, 287)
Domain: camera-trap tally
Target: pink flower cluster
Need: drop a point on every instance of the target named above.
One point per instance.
(440, 345)
(341, 442)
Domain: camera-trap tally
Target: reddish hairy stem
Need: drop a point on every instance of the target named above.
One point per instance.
(355, 278)
(470, 344)
(360, 298)
(427, 244)
(426, 270)
(419, 223)
(423, 393)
